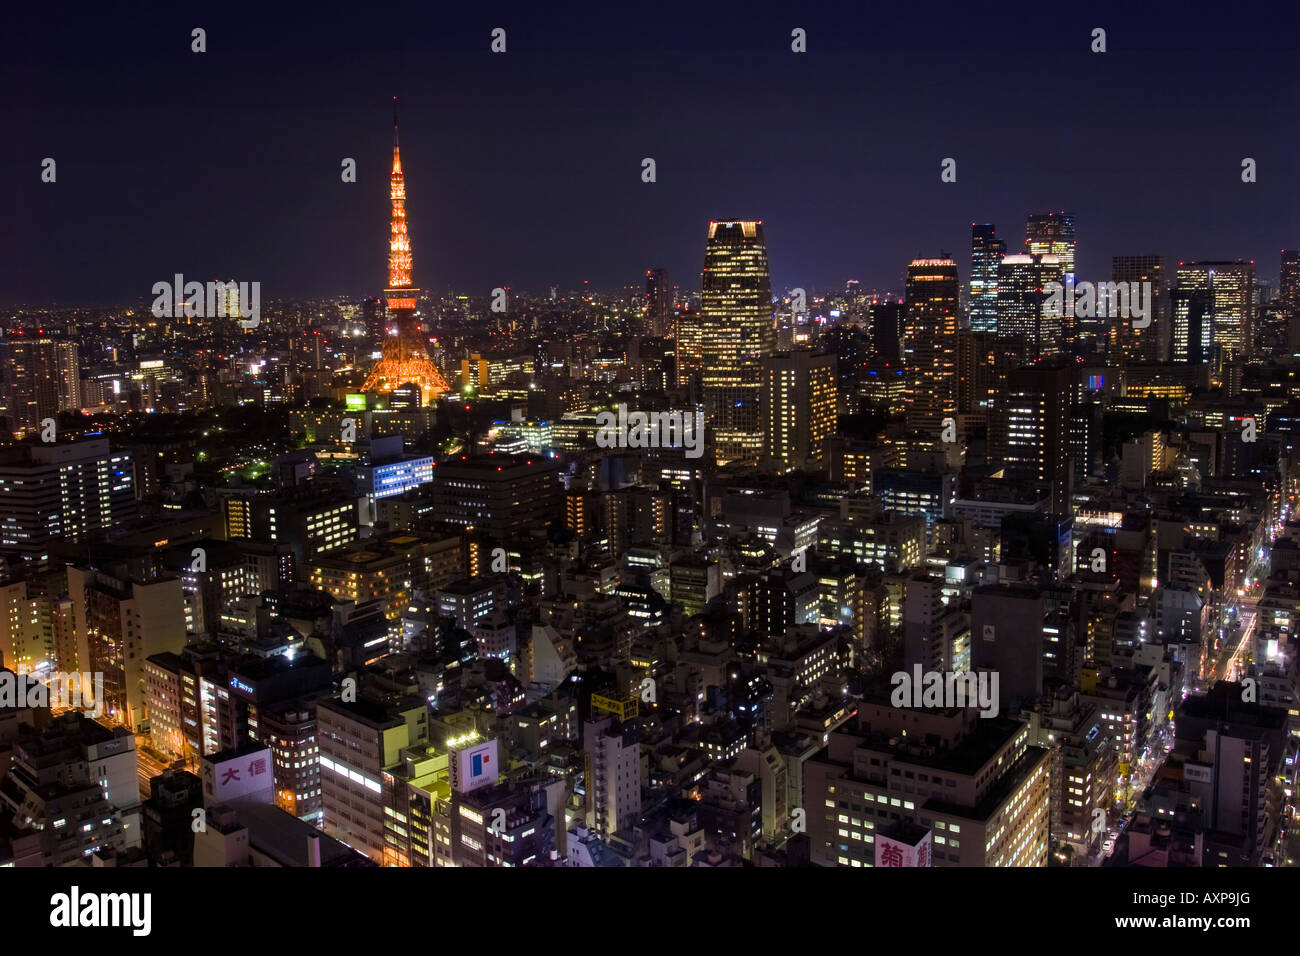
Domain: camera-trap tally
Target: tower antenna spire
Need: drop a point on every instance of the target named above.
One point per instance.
(394, 120)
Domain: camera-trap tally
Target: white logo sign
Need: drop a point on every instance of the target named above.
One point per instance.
(651, 430)
(236, 300)
(75, 909)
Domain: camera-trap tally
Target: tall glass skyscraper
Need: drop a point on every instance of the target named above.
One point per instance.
(1126, 341)
(1026, 328)
(986, 252)
(799, 405)
(1052, 234)
(930, 343)
(1289, 294)
(1289, 282)
(1030, 428)
(737, 333)
(1231, 301)
(44, 379)
(659, 302)
(1191, 326)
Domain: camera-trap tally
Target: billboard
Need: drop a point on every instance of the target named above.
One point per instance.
(476, 765)
(891, 851)
(246, 776)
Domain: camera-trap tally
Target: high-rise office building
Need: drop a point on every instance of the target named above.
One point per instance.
(360, 743)
(986, 255)
(1027, 327)
(930, 343)
(119, 624)
(737, 333)
(311, 520)
(1191, 327)
(67, 490)
(976, 370)
(977, 786)
(798, 408)
(1231, 303)
(1030, 428)
(1126, 341)
(1289, 283)
(886, 320)
(1006, 624)
(1289, 293)
(374, 317)
(43, 380)
(1052, 234)
(688, 332)
(658, 301)
(499, 495)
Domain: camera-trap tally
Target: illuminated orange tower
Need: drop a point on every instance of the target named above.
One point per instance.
(405, 360)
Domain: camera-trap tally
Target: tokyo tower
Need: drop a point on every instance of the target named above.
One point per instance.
(405, 360)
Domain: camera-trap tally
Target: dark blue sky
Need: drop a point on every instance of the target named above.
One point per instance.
(524, 169)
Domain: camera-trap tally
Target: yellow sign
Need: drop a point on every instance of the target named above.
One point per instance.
(622, 709)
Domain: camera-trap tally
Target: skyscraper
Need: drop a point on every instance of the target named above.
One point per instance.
(659, 302)
(976, 371)
(1231, 288)
(1190, 327)
(886, 320)
(799, 405)
(1288, 285)
(373, 318)
(1127, 341)
(67, 490)
(1030, 428)
(986, 255)
(1026, 328)
(687, 343)
(737, 333)
(1052, 234)
(405, 359)
(930, 343)
(44, 380)
(1289, 294)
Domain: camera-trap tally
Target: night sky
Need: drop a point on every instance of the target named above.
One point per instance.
(524, 169)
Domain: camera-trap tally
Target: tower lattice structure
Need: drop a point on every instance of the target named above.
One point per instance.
(404, 359)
